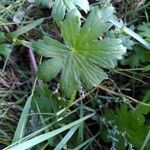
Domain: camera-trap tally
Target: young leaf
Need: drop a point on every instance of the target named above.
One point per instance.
(82, 56)
(61, 6)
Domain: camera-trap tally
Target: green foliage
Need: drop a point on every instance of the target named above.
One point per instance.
(24, 29)
(143, 110)
(82, 54)
(61, 6)
(130, 32)
(4, 48)
(2, 37)
(147, 139)
(48, 113)
(50, 104)
(147, 68)
(140, 56)
(126, 39)
(43, 137)
(130, 126)
(144, 30)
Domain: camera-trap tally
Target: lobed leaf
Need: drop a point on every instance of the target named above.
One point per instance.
(82, 55)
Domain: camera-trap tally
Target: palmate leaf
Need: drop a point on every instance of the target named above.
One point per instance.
(82, 56)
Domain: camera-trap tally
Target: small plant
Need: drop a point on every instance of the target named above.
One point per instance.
(83, 53)
(129, 125)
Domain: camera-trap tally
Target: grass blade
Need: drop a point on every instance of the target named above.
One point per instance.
(26, 28)
(66, 138)
(41, 138)
(22, 122)
(23, 119)
(147, 139)
(85, 143)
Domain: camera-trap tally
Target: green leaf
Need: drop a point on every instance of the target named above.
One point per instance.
(26, 28)
(147, 68)
(147, 139)
(84, 5)
(49, 69)
(70, 81)
(82, 53)
(96, 24)
(66, 138)
(130, 32)
(50, 48)
(45, 101)
(141, 55)
(2, 37)
(20, 131)
(142, 110)
(5, 49)
(127, 122)
(144, 29)
(126, 39)
(81, 146)
(61, 6)
(70, 29)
